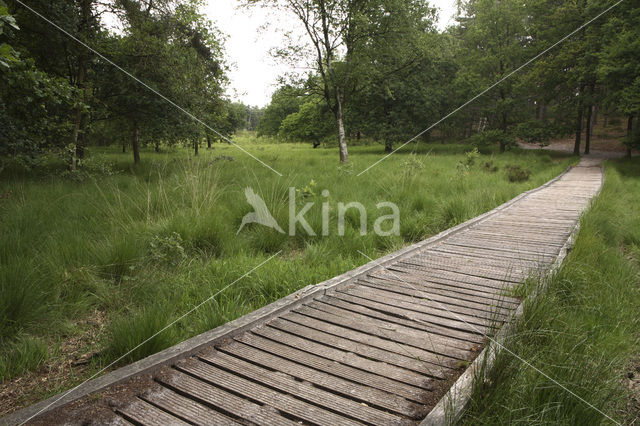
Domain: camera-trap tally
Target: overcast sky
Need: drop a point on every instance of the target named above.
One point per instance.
(254, 73)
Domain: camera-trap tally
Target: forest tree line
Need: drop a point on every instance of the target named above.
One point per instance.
(385, 71)
(379, 69)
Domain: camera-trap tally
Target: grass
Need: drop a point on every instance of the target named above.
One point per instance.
(144, 244)
(583, 331)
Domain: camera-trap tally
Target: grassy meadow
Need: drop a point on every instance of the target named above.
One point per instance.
(583, 332)
(95, 262)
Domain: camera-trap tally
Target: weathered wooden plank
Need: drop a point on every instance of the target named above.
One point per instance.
(491, 262)
(369, 347)
(234, 405)
(392, 314)
(265, 395)
(429, 363)
(184, 408)
(303, 390)
(529, 225)
(500, 251)
(499, 227)
(464, 280)
(431, 342)
(371, 396)
(439, 296)
(473, 286)
(514, 237)
(319, 363)
(424, 305)
(493, 266)
(462, 291)
(460, 266)
(506, 258)
(143, 413)
(348, 358)
(515, 248)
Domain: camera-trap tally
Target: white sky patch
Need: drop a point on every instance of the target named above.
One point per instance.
(253, 33)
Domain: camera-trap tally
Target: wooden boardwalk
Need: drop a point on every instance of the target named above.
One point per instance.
(379, 345)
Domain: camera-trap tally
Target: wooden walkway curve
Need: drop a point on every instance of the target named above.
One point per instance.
(378, 345)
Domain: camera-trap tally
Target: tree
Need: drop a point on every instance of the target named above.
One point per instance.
(495, 40)
(403, 75)
(330, 26)
(619, 66)
(34, 106)
(312, 123)
(286, 100)
(175, 53)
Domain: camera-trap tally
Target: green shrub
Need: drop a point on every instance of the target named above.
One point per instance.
(470, 158)
(168, 250)
(535, 131)
(492, 137)
(517, 173)
(489, 166)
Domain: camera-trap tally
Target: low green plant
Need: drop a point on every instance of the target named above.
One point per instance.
(168, 249)
(464, 166)
(490, 167)
(517, 173)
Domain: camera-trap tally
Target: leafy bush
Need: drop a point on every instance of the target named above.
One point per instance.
(490, 137)
(313, 123)
(168, 250)
(470, 158)
(489, 166)
(535, 131)
(517, 173)
(632, 140)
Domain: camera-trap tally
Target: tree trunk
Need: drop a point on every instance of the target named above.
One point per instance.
(594, 117)
(388, 146)
(208, 141)
(342, 138)
(196, 145)
(503, 146)
(124, 146)
(157, 146)
(78, 151)
(82, 142)
(135, 143)
(77, 119)
(629, 131)
(576, 146)
(587, 136)
(544, 111)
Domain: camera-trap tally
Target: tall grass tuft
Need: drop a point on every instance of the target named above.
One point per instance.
(128, 332)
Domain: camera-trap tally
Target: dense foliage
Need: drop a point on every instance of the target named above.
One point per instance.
(395, 74)
(379, 69)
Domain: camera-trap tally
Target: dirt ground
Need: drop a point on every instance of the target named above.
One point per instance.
(72, 357)
(632, 381)
(605, 142)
